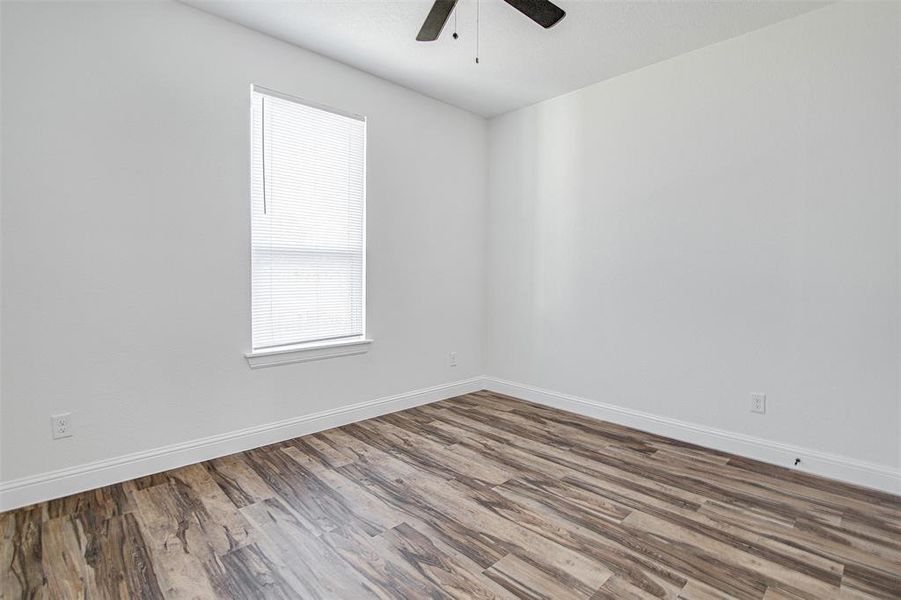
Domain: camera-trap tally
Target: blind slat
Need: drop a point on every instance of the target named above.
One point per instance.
(308, 203)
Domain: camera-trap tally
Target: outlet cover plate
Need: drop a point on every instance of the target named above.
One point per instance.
(758, 403)
(61, 425)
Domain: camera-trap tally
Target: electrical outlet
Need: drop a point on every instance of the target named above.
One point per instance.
(61, 425)
(452, 359)
(758, 403)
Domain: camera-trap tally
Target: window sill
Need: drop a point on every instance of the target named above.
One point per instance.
(306, 352)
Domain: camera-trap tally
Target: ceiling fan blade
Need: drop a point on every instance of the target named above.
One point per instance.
(435, 21)
(545, 13)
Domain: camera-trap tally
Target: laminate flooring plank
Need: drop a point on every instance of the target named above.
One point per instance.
(811, 538)
(480, 546)
(64, 546)
(617, 588)
(736, 558)
(359, 508)
(698, 591)
(480, 496)
(458, 511)
(310, 566)
(640, 566)
(24, 569)
(425, 455)
(237, 479)
(449, 571)
(525, 579)
(383, 570)
(10, 582)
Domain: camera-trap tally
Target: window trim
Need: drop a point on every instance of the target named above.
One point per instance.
(296, 353)
(317, 350)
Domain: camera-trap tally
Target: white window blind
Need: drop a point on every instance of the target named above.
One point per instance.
(308, 216)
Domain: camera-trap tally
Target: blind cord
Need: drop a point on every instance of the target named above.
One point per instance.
(263, 148)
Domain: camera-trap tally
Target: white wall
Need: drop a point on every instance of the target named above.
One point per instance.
(668, 241)
(720, 223)
(125, 240)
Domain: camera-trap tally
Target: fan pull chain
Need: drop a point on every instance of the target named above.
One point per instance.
(478, 27)
(455, 21)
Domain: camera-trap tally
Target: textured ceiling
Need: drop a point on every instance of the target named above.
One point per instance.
(520, 63)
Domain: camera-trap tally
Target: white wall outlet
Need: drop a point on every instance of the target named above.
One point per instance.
(61, 425)
(452, 359)
(758, 403)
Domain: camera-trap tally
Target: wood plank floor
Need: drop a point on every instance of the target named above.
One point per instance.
(481, 496)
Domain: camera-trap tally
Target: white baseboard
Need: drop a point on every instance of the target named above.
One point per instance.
(55, 484)
(871, 475)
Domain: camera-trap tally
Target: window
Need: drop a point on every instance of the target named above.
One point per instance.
(308, 173)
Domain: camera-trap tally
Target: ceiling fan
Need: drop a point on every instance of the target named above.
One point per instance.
(545, 13)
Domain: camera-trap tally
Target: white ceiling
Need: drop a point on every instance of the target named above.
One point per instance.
(520, 63)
